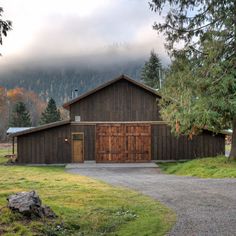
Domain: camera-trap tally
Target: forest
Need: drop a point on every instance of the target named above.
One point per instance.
(59, 82)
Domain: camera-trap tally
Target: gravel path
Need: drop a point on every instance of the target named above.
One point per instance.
(203, 206)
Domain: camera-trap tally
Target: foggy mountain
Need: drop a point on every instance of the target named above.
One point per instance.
(58, 81)
(76, 46)
(58, 75)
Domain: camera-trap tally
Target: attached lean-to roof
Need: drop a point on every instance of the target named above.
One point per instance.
(42, 127)
(122, 77)
(13, 130)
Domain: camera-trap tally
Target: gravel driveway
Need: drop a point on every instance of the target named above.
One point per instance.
(203, 206)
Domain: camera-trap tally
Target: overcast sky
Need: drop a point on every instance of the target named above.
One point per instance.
(45, 29)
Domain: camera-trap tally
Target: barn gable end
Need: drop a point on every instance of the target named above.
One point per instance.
(121, 100)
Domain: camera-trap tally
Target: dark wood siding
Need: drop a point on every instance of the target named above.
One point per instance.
(121, 101)
(45, 146)
(49, 146)
(89, 139)
(166, 146)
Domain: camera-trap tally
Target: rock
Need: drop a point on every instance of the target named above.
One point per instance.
(48, 212)
(29, 204)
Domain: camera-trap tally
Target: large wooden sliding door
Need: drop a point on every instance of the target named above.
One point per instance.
(123, 142)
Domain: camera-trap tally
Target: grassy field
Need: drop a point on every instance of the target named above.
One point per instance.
(218, 167)
(4, 150)
(84, 206)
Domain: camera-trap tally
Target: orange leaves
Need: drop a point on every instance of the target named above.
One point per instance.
(16, 94)
(177, 126)
(190, 136)
(32, 101)
(193, 132)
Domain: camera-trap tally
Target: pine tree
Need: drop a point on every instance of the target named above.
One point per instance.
(20, 116)
(151, 72)
(51, 113)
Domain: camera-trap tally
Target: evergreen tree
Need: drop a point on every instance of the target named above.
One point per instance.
(20, 116)
(200, 87)
(152, 71)
(51, 113)
(5, 26)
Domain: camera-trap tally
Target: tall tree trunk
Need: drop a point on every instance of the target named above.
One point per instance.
(232, 154)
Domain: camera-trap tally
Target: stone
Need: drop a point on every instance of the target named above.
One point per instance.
(29, 204)
(48, 212)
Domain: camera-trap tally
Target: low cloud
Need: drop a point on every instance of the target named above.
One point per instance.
(103, 32)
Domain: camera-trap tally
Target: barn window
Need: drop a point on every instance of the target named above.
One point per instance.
(77, 119)
(77, 136)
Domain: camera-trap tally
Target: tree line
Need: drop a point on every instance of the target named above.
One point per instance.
(59, 82)
(20, 116)
(22, 108)
(9, 98)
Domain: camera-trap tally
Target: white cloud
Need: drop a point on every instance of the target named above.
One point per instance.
(57, 28)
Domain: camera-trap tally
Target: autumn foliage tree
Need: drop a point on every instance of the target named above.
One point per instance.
(33, 103)
(200, 88)
(8, 99)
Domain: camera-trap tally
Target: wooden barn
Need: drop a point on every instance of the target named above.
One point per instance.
(116, 122)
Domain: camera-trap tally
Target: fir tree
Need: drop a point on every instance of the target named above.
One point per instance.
(20, 116)
(151, 72)
(200, 88)
(51, 113)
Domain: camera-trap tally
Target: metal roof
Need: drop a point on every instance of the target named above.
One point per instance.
(39, 128)
(13, 130)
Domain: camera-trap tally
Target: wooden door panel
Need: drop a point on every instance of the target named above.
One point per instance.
(77, 151)
(77, 147)
(123, 142)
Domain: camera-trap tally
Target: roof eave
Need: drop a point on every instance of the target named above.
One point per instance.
(67, 104)
(40, 128)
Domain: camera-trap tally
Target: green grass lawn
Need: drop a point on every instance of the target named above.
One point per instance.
(3, 152)
(84, 206)
(215, 167)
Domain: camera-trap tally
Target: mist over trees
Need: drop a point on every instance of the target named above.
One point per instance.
(59, 81)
